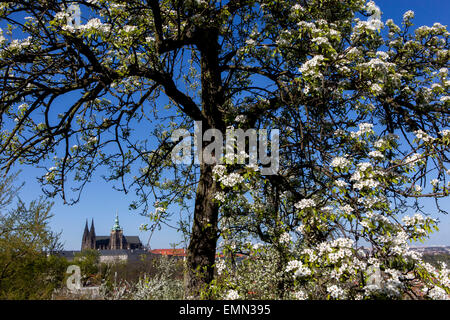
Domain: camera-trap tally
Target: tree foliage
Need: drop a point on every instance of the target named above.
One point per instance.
(27, 268)
(362, 104)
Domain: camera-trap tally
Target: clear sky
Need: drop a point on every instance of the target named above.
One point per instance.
(100, 202)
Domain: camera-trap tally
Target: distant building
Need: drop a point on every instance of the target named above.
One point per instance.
(173, 253)
(170, 252)
(115, 241)
(112, 256)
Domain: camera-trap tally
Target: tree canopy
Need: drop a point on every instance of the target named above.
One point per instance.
(362, 106)
(27, 270)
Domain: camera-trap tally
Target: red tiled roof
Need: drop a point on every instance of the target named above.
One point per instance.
(169, 252)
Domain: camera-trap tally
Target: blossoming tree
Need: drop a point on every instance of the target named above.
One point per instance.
(362, 106)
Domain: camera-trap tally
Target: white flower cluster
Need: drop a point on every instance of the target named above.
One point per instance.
(70, 20)
(347, 209)
(228, 180)
(300, 295)
(310, 66)
(383, 142)
(412, 160)
(285, 238)
(305, 203)
(220, 266)
(300, 269)
(371, 201)
(18, 45)
(240, 118)
(408, 15)
(92, 25)
(372, 24)
(232, 295)
(297, 7)
(376, 65)
(320, 41)
(341, 183)
(231, 180)
(364, 128)
(364, 179)
(219, 170)
(438, 293)
(412, 221)
(336, 292)
(22, 107)
(374, 21)
(376, 154)
(367, 183)
(377, 217)
(335, 257)
(340, 162)
(434, 182)
(220, 196)
(422, 135)
(129, 29)
(396, 242)
(334, 246)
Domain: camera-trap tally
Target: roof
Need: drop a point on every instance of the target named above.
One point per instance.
(133, 239)
(118, 252)
(68, 254)
(128, 239)
(170, 252)
(102, 238)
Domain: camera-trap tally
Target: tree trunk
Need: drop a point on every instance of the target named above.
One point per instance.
(202, 247)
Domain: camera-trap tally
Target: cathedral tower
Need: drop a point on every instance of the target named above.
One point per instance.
(85, 243)
(92, 237)
(116, 239)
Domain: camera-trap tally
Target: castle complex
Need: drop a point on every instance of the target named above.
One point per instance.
(115, 241)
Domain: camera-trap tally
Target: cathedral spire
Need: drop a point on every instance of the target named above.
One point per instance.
(85, 241)
(116, 223)
(92, 235)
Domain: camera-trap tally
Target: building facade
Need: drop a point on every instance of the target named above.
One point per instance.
(115, 241)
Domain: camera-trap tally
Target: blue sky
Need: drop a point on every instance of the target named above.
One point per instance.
(100, 202)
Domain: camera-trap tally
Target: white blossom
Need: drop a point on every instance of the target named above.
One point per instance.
(300, 269)
(220, 196)
(434, 182)
(412, 160)
(305, 203)
(408, 15)
(285, 238)
(232, 295)
(300, 295)
(438, 293)
(336, 292)
(376, 154)
(231, 180)
(220, 266)
(240, 118)
(22, 107)
(364, 128)
(308, 68)
(347, 209)
(340, 162)
(341, 183)
(422, 135)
